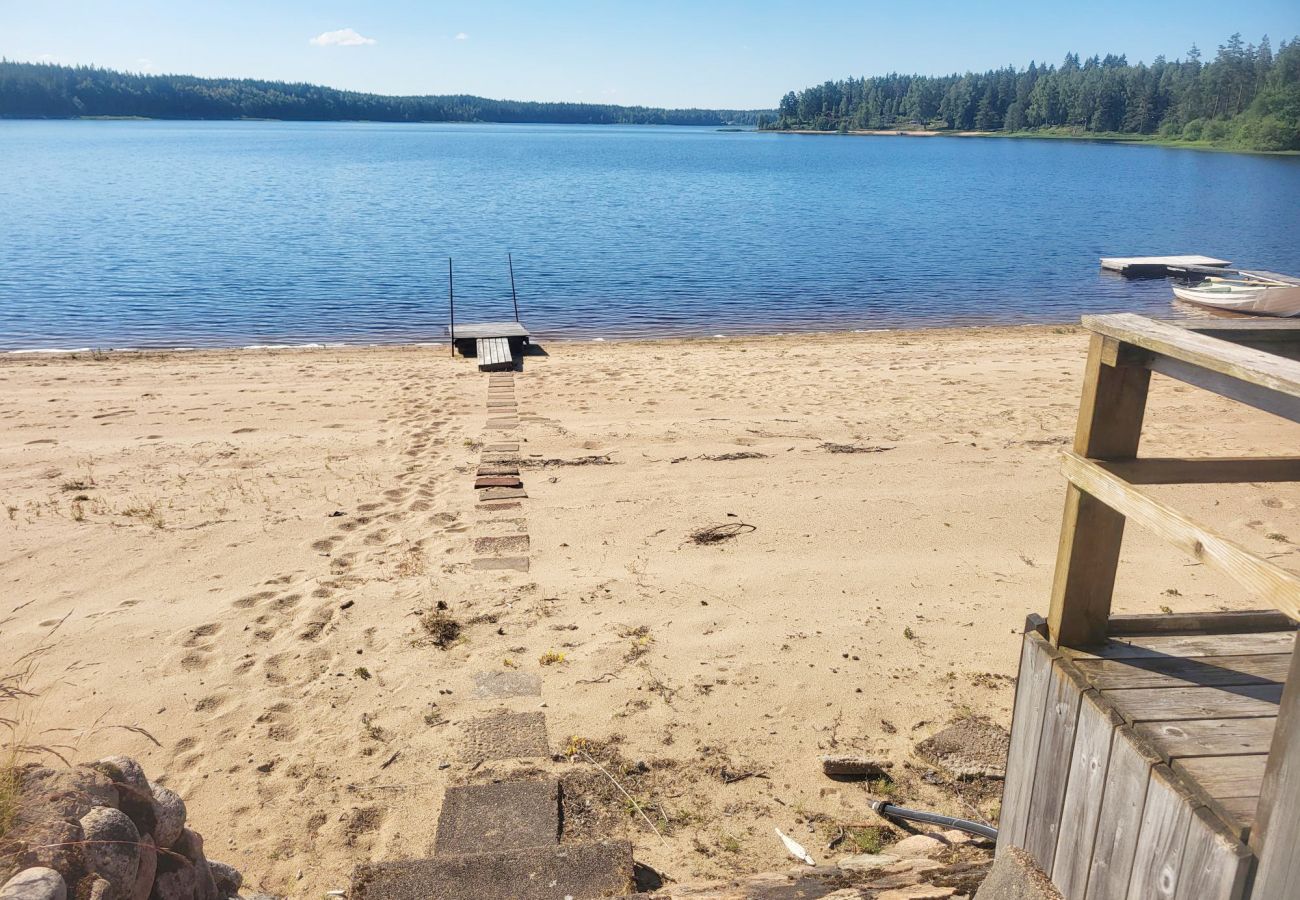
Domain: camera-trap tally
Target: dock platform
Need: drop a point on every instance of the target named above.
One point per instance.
(494, 344)
(1158, 756)
(1134, 266)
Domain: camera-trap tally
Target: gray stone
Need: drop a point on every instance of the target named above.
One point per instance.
(500, 685)
(36, 883)
(112, 849)
(100, 890)
(536, 873)
(505, 816)
(1015, 876)
(190, 846)
(135, 795)
(175, 879)
(968, 748)
(925, 846)
(502, 493)
(227, 878)
(506, 736)
(144, 875)
(169, 816)
(71, 792)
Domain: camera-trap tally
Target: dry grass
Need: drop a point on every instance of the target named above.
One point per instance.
(441, 628)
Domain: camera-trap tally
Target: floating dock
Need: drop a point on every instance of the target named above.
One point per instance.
(1159, 265)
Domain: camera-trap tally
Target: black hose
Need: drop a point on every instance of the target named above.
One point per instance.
(901, 812)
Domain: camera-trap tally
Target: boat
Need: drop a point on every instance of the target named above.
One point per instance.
(1253, 294)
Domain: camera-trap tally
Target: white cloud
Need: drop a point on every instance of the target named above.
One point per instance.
(344, 37)
(462, 36)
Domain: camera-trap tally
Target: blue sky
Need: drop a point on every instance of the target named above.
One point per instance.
(659, 52)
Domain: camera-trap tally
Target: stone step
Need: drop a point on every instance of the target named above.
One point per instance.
(579, 871)
(509, 815)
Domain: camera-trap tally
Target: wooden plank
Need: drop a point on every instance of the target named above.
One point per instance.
(1261, 398)
(1241, 701)
(1208, 737)
(1159, 672)
(1215, 864)
(1084, 793)
(1060, 717)
(1206, 470)
(1253, 328)
(1275, 584)
(1119, 823)
(1109, 427)
(1224, 776)
(1187, 646)
(1241, 363)
(1219, 622)
(1159, 855)
(1036, 657)
(1277, 827)
(1159, 264)
(1240, 810)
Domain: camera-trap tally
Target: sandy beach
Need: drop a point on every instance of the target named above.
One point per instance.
(241, 548)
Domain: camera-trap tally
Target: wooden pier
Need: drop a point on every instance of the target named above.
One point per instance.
(1159, 756)
(495, 344)
(1135, 266)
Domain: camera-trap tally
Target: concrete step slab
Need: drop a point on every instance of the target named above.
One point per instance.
(508, 815)
(580, 871)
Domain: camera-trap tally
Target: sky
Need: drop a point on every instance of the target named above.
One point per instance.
(707, 53)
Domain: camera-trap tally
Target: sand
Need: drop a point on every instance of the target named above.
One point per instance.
(239, 546)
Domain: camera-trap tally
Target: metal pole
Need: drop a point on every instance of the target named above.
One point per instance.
(513, 296)
(451, 302)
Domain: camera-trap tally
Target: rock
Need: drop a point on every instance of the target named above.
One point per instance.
(135, 796)
(227, 878)
(169, 816)
(112, 849)
(1015, 876)
(190, 846)
(148, 869)
(41, 840)
(100, 890)
(69, 793)
(175, 879)
(36, 883)
(866, 862)
(855, 766)
(913, 866)
(925, 846)
(919, 892)
(969, 748)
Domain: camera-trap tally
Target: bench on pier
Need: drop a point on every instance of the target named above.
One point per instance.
(493, 354)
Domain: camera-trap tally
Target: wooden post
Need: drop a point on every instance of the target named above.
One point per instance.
(451, 303)
(1110, 426)
(513, 296)
(1277, 818)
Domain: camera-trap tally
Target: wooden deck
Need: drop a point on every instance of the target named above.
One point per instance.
(1159, 756)
(494, 354)
(494, 343)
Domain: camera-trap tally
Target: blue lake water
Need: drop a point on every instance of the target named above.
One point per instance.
(146, 234)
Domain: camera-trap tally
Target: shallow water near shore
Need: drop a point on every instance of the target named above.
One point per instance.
(203, 234)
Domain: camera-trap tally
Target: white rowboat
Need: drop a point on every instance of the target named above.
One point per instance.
(1257, 296)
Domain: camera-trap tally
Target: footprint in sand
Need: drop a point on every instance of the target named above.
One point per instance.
(196, 661)
(252, 599)
(211, 703)
(196, 635)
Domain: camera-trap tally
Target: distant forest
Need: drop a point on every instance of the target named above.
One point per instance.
(1247, 97)
(38, 90)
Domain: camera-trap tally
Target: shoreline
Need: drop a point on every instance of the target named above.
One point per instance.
(1099, 138)
(55, 353)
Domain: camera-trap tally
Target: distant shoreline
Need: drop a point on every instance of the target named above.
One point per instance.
(1098, 138)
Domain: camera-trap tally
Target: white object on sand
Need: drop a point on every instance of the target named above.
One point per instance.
(796, 851)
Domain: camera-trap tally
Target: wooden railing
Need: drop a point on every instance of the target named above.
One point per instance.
(1250, 361)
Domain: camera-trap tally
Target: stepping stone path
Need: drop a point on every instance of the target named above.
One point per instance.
(503, 840)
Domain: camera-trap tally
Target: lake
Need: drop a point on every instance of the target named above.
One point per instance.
(161, 234)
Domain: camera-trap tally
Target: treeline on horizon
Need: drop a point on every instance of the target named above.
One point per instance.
(47, 91)
(1247, 97)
